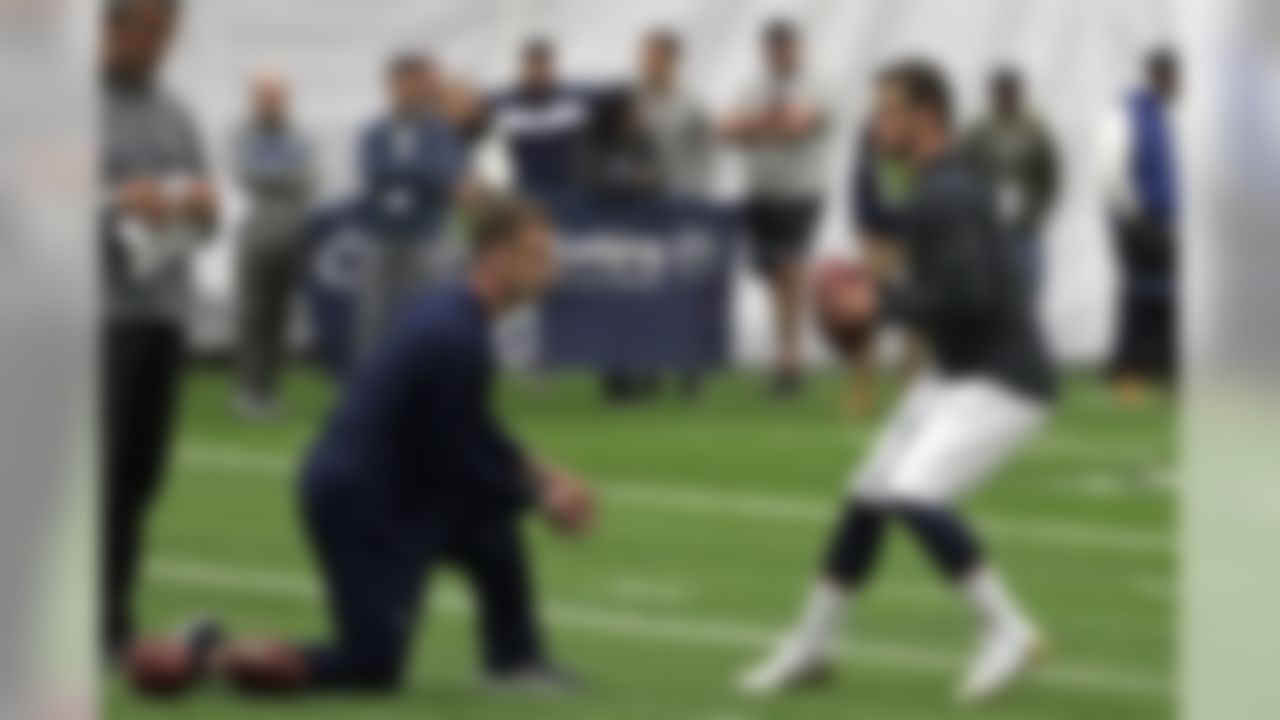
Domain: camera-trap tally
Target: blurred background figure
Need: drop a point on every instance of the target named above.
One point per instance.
(781, 125)
(619, 167)
(618, 162)
(680, 130)
(412, 162)
(1141, 177)
(1016, 150)
(158, 206)
(677, 124)
(542, 121)
(274, 164)
(880, 188)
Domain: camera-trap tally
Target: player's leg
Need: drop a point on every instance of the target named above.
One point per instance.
(767, 230)
(806, 650)
(492, 554)
(974, 426)
(373, 580)
(142, 383)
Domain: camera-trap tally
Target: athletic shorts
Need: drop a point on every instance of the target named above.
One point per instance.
(946, 436)
(779, 231)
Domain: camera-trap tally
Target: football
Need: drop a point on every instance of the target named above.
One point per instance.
(161, 668)
(841, 289)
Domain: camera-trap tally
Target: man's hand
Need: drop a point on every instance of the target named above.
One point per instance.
(568, 503)
(740, 127)
(198, 202)
(145, 199)
(792, 122)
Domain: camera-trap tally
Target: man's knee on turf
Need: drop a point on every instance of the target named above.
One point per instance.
(358, 671)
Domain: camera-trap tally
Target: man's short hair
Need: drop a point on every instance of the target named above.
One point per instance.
(1162, 59)
(537, 48)
(924, 85)
(780, 30)
(119, 8)
(408, 62)
(667, 39)
(1006, 76)
(497, 219)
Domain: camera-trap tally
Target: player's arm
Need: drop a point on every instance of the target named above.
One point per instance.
(741, 127)
(957, 277)
(795, 120)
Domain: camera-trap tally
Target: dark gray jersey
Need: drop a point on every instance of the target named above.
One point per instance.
(963, 290)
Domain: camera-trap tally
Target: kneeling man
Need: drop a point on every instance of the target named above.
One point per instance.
(413, 470)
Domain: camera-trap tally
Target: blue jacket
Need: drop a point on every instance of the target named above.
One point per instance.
(1154, 162)
(415, 427)
(409, 171)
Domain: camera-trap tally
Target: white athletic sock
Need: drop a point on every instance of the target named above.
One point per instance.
(992, 601)
(822, 618)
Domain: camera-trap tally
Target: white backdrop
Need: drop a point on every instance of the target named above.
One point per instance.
(1078, 55)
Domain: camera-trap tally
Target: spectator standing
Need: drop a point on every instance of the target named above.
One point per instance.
(781, 124)
(1141, 177)
(158, 207)
(412, 162)
(1015, 149)
(677, 125)
(542, 121)
(275, 167)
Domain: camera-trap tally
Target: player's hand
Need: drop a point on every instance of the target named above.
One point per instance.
(198, 202)
(145, 199)
(568, 503)
(862, 301)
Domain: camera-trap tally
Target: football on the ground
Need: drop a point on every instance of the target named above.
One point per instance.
(161, 668)
(264, 667)
(841, 289)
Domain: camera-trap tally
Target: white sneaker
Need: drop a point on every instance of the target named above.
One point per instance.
(791, 665)
(1004, 655)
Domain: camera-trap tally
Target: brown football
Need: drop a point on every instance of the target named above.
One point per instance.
(160, 668)
(835, 285)
(265, 667)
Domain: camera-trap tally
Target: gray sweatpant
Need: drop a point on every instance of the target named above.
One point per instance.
(267, 269)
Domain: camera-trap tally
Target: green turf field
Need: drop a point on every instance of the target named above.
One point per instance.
(714, 515)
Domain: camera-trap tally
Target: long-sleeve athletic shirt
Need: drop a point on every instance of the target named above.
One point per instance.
(962, 289)
(415, 426)
(147, 134)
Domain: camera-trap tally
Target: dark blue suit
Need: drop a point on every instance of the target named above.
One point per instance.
(413, 469)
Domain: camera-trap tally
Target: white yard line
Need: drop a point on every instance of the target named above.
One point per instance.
(763, 506)
(682, 632)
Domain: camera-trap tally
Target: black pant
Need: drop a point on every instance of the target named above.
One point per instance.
(143, 361)
(376, 565)
(1147, 329)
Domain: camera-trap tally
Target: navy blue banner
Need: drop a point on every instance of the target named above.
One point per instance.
(642, 287)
